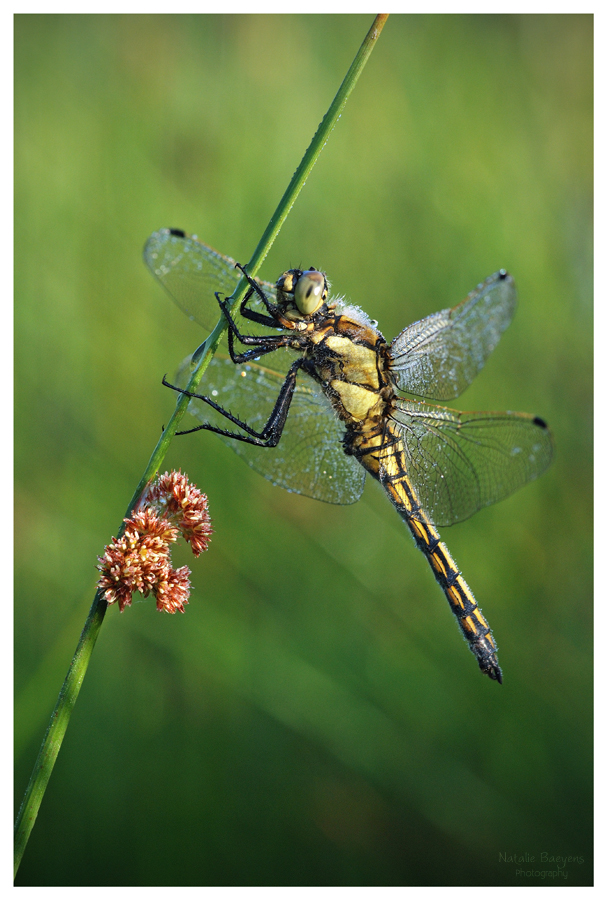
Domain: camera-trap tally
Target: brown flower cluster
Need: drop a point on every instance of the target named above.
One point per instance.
(140, 560)
(184, 505)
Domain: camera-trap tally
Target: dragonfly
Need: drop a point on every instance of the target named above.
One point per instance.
(317, 397)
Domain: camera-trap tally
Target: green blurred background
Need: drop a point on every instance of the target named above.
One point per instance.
(314, 718)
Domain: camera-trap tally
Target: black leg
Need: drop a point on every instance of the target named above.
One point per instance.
(260, 318)
(270, 435)
(254, 340)
(264, 346)
(255, 288)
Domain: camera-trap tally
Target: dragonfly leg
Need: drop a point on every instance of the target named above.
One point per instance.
(264, 346)
(270, 434)
(265, 343)
(253, 316)
(255, 288)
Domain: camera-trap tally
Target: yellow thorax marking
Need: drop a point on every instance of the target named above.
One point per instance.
(360, 362)
(357, 401)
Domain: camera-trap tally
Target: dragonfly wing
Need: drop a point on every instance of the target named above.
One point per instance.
(440, 355)
(309, 458)
(192, 271)
(460, 462)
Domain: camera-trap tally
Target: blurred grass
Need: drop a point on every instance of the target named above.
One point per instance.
(314, 718)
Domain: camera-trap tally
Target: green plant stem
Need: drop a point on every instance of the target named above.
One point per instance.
(68, 695)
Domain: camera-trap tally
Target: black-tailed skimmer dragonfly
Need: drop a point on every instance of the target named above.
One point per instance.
(322, 407)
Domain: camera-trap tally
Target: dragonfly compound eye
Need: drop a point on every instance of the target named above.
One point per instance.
(310, 292)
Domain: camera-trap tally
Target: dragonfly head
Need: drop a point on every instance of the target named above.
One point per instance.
(302, 293)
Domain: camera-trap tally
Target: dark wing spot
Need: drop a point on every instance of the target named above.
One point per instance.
(540, 422)
(177, 232)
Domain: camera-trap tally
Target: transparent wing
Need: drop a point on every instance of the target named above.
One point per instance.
(309, 458)
(459, 462)
(192, 271)
(440, 355)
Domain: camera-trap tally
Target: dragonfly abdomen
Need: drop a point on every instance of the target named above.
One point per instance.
(470, 619)
(388, 465)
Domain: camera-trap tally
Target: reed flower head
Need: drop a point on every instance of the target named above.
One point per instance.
(184, 505)
(140, 560)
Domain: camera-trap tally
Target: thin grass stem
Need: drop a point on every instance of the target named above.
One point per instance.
(68, 695)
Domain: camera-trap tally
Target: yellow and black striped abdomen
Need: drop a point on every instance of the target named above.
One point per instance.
(384, 458)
